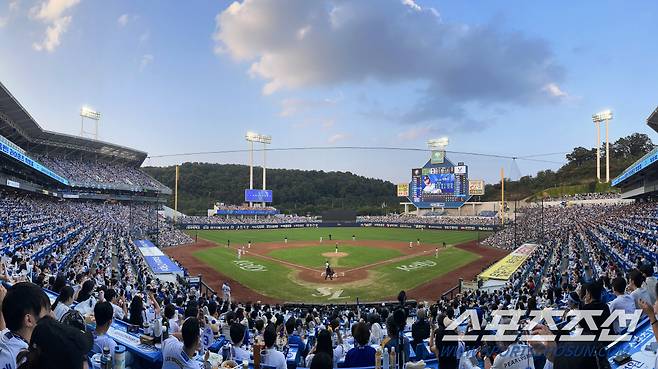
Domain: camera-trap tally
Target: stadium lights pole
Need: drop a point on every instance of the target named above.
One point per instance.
(86, 112)
(602, 116)
(265, 140)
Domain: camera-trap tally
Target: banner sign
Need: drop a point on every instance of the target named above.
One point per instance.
(508, 265)
(438, 157)
(403, 189)
(475, 187)
(14, 184)
(258, 195)
(230, 227)
(246, 212)
(17, 155)
(445, 227)
(156, 259)
(647, 160)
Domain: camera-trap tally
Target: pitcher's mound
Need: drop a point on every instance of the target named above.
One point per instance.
(334, 254)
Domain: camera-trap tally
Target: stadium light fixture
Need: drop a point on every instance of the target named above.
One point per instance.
(438, 143)
(602, 116)
(89, 113)
(255, 137)
(252, 137)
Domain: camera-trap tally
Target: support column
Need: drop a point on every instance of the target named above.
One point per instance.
(598, 151)
(607, 154)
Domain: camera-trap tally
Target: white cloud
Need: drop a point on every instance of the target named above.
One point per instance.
(3, 21)
(336, 138)
(53, 33)
(123, 19)
(14, 5)
(325, 43)
(554, 90)
(51, 12)
(147, 59)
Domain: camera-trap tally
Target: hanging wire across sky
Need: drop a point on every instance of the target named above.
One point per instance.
(380, 148)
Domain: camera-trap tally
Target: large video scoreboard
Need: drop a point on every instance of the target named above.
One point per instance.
(441, 185)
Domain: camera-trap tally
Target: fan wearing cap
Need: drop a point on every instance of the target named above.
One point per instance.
(22, 307)
(103, 314)
(180, 355)
(55, 345)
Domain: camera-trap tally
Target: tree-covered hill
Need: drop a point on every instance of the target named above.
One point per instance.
(295, 191)
(311, 192)
(580, 169)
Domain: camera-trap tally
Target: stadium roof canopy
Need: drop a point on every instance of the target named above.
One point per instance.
(641, 177)
(17, 125)
(652, 121)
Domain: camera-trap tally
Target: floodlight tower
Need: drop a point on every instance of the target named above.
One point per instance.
(603, 116)
(438, 143)
(252, 137)
(87, 112)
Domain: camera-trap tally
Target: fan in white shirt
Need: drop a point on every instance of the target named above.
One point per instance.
(271, 356)
(23, 305)
(180, 355)
(63, 302)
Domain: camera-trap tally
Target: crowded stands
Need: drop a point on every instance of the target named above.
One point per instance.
(82, 254)
(95, 173)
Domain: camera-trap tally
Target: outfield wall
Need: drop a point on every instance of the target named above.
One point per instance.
(443, 227)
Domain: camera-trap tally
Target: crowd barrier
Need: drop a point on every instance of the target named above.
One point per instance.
(445, 227)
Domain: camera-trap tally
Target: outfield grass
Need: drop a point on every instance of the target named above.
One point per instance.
(314, 234)
(311, 256)
(280, 281)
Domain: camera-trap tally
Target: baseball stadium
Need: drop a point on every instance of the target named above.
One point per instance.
(325, 184)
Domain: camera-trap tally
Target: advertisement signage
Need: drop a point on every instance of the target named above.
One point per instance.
(476, 187)
(438, 157)
(156, 259)
(403, 189)
(258, 195)
(508, 265)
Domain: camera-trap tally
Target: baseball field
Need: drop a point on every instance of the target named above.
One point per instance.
(372, 264)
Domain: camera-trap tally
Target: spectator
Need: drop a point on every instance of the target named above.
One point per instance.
(54, 345)
(635, 282)
(622, 301)
(63, 302)
(420, 329)
(323, 344)
(272, 357)
(103, 313)
(321, 361)
(361, 355)
(237, 337)
(649, 281)
(180, 355)
(22, 307)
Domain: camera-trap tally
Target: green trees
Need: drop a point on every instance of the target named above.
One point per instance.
(580, 169)
(294, 191)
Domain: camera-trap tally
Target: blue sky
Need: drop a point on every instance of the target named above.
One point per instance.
(513, 77)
